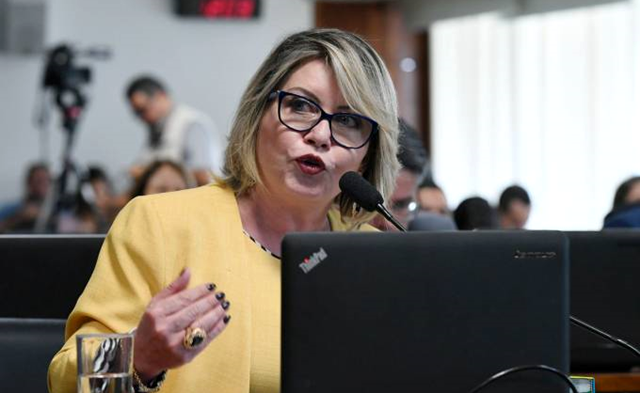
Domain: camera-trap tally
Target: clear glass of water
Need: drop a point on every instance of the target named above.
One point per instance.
(105, 363)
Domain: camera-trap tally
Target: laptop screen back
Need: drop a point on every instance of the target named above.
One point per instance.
(605, 267)
(43, 275)
(417, 312)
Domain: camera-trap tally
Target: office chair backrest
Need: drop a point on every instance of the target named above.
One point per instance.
(26, 349)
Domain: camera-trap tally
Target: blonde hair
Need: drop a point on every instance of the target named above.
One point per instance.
(365, 84)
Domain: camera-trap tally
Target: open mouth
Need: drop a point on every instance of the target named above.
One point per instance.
(310, 164)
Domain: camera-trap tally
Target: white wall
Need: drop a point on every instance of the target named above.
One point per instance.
(549, 101)
(205, 63)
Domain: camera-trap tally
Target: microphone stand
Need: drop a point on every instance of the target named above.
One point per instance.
(389, 217)
(605, 335)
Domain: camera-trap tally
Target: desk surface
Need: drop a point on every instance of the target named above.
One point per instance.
(622, 382)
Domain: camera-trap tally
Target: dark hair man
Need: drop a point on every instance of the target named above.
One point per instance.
(432, 198)
(176, 132)
(474, 213)
(514, 208)
(413, 158)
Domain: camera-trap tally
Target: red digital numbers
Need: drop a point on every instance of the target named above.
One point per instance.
(228, 8)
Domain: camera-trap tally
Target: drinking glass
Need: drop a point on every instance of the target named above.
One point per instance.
(105, 363)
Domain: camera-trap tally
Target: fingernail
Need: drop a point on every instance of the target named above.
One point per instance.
(220, 296)
(226, 319)
(184, 270)
(225, 305)
(211, 287)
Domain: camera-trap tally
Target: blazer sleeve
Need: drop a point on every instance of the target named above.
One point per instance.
(129, 271)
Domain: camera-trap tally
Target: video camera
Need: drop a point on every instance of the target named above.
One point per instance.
(61, 72)
(66, 79)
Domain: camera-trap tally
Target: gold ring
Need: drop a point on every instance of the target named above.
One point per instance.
(193, 337)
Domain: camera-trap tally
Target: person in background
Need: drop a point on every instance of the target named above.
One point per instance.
(176, 266)
(514, 208)
(625, 212)
(431, 198)
(94, 206)
(413, 157)
(175, 131)
(106, 202)
(627, 193)
(474, 213)
(161, 176)
(21, 216)
(82, 218)
(434, 214)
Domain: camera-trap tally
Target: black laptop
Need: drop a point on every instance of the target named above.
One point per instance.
(43, 275)
(605, 270)
(423, 312)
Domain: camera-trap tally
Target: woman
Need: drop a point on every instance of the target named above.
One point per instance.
(282, 169)
(161, 176)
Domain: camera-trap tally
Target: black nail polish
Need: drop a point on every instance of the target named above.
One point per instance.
(225, 305)
(211, 287)
(226, 319)
(220, 296)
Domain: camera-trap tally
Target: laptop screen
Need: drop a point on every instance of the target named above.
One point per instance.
(418, 312)
(605, 267)
(45, 274)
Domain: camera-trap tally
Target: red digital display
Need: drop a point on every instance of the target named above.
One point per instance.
(244, 9)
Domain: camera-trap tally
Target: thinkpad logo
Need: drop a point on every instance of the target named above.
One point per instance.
(313, 260)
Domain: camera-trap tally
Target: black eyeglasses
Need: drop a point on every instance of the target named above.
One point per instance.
(300, 114)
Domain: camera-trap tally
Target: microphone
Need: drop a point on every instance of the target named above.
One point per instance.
(366, 195)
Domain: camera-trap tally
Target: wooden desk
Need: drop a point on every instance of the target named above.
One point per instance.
(622, 382)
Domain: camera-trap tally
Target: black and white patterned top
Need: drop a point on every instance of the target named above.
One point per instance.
(265, 249)
(260, 245)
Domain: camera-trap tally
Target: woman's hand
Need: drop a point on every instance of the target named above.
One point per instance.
(160, 335)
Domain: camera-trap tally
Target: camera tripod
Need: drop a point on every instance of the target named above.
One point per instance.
(60, 201)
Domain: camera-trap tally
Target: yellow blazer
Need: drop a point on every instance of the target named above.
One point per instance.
(151, 241)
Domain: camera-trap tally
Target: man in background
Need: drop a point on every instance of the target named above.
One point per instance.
(21, 216)
(432, 199)
(175, 132)
(475, 213)
(514, 208)
(413, 158)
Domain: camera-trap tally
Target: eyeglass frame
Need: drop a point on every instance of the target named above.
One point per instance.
(324, 116)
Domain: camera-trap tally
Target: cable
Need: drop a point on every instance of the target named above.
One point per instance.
(539, 367)
(605, 335)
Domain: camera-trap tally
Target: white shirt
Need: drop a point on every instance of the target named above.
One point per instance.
(190, 138)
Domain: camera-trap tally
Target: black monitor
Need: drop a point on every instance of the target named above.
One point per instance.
(43, 275)
(605, 270)
(423, 312)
